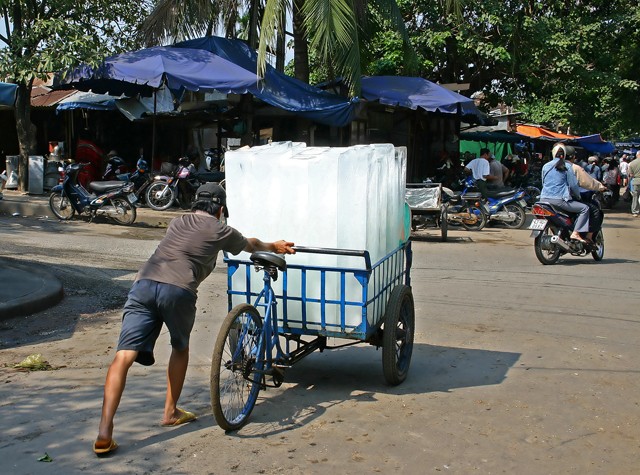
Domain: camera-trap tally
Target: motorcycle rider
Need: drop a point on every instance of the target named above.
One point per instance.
(481, 171)
(590, 184)
(560, 188)
(165, 292)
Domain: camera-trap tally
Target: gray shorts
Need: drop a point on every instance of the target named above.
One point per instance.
(149, 305)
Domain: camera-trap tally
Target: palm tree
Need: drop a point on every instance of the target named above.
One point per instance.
(175, 20)
(334, 29)
(335, 36)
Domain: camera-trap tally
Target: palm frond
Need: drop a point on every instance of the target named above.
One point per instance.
(271, 24)
(173, 20)
(333, 33)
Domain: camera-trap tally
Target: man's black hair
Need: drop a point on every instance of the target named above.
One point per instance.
(207, 206)
(484, 151)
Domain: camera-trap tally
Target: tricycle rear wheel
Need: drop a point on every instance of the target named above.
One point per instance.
(235, 367)
(397, 335)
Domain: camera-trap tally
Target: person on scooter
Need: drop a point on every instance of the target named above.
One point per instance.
(480, 170)
(587, 183)
(560, 188)
(165, 292)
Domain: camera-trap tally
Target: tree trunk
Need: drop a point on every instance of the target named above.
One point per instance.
(253, 25)
(281, 43)
(26, 133)
(300, 46)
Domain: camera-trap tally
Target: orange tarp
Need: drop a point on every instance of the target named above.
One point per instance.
(539, 132)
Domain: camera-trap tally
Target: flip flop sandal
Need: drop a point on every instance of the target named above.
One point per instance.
(104, 447)
(185, 417)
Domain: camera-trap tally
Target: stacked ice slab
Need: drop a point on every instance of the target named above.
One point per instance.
(338, 198)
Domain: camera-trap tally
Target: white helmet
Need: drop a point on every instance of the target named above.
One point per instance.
(561, 150)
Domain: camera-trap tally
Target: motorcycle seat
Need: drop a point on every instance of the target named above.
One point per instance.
(104, 186)
(500, 193)
(216, 177)
(472, 195)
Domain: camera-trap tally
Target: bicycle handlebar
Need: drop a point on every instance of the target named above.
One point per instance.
(324, 250)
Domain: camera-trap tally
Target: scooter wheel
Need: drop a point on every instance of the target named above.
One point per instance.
(61, 206)
(477, 220)
(520, 216)
(160, 196)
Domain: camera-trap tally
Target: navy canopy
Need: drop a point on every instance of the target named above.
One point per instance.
(278, 89)
(594, 143)
(143, 71)
(415, 92)
(7, 94)
(87, 100)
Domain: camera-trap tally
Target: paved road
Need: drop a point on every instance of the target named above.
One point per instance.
(517, 368)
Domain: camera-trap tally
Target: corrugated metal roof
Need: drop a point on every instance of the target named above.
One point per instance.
(42, 96)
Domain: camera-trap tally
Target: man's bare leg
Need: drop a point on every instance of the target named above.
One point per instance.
(176, 373)
(113, 389)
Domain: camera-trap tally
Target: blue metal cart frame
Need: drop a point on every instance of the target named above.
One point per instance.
(255, 345)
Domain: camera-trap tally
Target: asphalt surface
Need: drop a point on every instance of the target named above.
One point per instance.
(27, 289)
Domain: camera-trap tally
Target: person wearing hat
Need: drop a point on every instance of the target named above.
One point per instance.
(593, 169)
(560, 188)
(165, 292)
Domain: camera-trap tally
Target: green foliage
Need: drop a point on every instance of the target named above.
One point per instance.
(570, 63)
(52, 35)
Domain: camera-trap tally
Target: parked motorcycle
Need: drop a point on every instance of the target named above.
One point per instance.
(116, 201)
(116, 169)
(551, 230)
(141, 179)
(464, 208)
(531, 195)
(506, 206)
(180, 187)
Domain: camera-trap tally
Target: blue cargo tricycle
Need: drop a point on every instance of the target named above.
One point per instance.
(261, 337)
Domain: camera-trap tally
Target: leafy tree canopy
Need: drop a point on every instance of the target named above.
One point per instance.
(565, 64)
(45, 36)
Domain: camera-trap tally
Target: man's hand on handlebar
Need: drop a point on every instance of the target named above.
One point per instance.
(284, 247)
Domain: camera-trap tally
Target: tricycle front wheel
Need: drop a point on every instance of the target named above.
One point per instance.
(235, 367)
(397, 335)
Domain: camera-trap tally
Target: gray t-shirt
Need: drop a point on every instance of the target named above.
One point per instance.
(497, 170)
(188, 252)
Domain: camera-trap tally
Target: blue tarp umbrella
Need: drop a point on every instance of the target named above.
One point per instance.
(278, 89)
(415, 92)
(87, 100)
(145, 70)
(7, 94)
(595, 143)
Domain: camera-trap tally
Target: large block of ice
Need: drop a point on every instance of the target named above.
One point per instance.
(338, 198)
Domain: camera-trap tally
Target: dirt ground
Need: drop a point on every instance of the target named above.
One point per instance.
(517, 368)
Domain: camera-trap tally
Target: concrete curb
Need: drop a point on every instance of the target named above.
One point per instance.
(38, 206)
(26, 290)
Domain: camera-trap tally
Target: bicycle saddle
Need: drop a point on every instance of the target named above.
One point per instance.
(268, 259)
